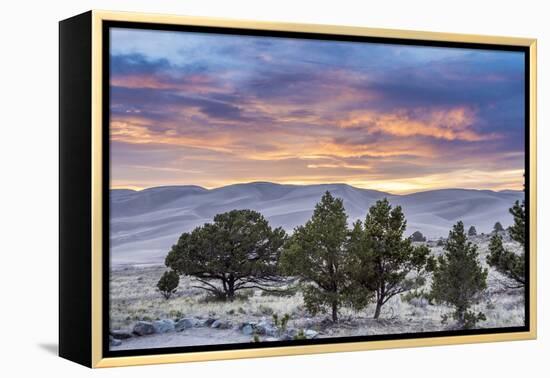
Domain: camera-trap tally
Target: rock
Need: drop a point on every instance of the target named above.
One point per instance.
(220, 324)
(113, 341)
(142, 328)
(215, 324)
(325, 323)
(247, 329)
(163, 326)
(307, 323)
(206, 322)
(292, 332)
(289, 334)
(186, 323)
(264, 328)
(310, 334)
(120, 334)
(285, 337)
(225, 325)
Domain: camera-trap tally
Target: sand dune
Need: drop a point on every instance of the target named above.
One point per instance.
(144, 224)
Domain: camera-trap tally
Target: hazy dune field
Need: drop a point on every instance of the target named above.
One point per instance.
(145, 224)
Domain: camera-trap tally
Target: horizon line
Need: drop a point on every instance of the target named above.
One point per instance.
(140, 189)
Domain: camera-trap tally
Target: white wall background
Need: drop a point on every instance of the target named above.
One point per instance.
(28, 190)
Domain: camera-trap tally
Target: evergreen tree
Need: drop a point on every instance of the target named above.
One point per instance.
(498, 227)
(517, 230)
(472, 231)
(168, 283)
(459, 278)
(418, 237)
(382, 261)
(508, 263)
(316, 255)
(239, 250)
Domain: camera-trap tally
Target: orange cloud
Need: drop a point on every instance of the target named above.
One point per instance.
(136, 133)
(451, 124)
(190, 83)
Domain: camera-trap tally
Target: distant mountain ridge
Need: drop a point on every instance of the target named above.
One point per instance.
(144, 224)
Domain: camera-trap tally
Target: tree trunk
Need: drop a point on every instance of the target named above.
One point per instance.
(231, 288)
(224, 285)
(378, 309)
(334, 312)
(460, 318)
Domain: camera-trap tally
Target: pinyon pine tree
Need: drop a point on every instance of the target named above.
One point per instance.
(382, 261)
(472, 231)
(459, 278)
(316, 255)
(517, 230)
(418, 237)
(506, 262)
(168, 283)
(239, 250)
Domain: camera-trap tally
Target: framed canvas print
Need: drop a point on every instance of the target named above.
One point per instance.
(236, 189)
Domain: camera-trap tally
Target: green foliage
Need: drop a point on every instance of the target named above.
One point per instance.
(472, 231)
(517, 230)
(239, 251)
(175, 314)
(317, 256)
(509, 264)
(300, 335)
(506, 262)
(440, 243)
(284, 292)
(418, 237)
(470, 319)
(498, 227)
(417, 294)
(168, 283)
(458, 278)
(281, 323)
(381, 260)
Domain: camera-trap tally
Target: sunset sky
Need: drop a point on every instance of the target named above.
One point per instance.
(212, 110)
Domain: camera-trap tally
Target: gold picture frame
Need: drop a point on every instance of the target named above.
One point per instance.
(93, 24)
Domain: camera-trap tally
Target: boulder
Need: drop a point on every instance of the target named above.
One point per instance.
(225, 325)
(285, 337)
(247, 329)
(216, 324)
(142, 328)
(113, 341)
(310, 334)
(206, 322)
(186, 323)
(267, 328)
(163, 326)
(308, 323)
(221, 324)
(120, 334)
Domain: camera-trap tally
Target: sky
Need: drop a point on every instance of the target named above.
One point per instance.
(214, 110)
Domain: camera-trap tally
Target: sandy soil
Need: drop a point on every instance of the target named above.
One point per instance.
(194, 336)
